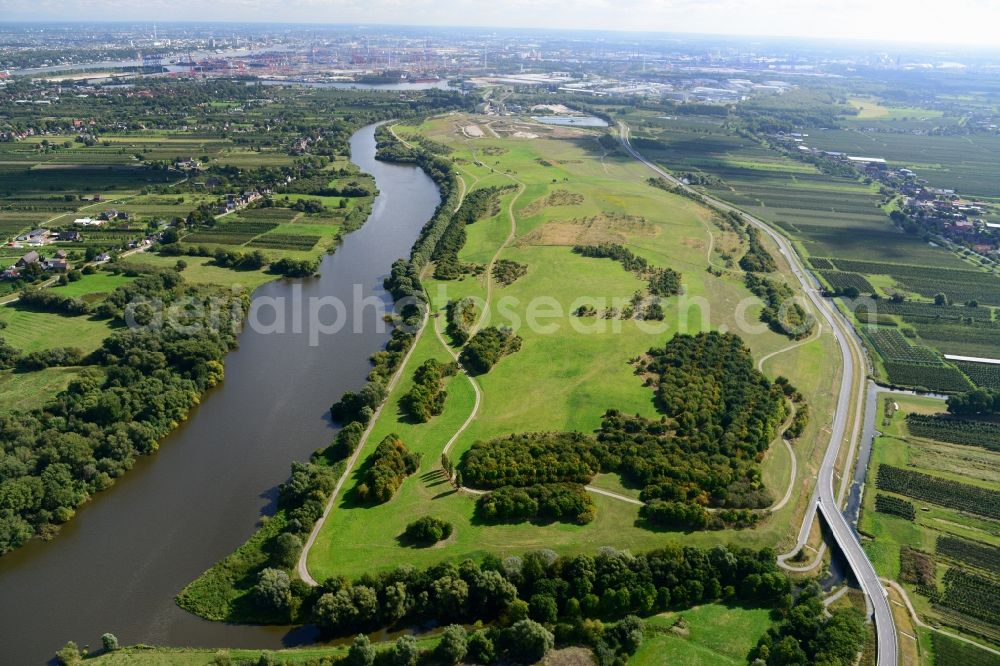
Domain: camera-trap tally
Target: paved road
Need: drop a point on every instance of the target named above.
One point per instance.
(825, 497)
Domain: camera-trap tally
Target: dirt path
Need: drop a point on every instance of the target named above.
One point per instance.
(478, 324)
(302, 566)
(620, 498)
(920, 623)
(795, 345)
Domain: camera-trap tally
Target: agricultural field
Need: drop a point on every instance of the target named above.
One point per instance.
(962, 163)
(840, 226)
(566, 376)
(930, 518)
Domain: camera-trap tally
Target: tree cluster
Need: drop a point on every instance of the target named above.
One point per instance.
(427, 530)
(979, 401)
(487, 347)
(294, 267)
(757, 259)
(461, 316)
(427, 395)
(545, 502)
(386, 469)
(781, 313)
(505, 271)
(807, 635)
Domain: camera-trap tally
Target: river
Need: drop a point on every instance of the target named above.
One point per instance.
(118, 564)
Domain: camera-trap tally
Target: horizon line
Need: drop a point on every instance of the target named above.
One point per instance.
(853, 41)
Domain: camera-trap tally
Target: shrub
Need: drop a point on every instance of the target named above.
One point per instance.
(428, 530)
(487, 347)
(453, 646)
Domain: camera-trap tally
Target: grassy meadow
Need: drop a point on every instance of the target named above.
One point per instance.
(569, 371)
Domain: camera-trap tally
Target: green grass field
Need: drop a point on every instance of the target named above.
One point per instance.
(566, 377)
(92, 285)
(200, 270)
(27, 390)
(30, 331)
(702, 636)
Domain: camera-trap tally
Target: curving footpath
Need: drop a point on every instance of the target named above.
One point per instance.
(824, 498)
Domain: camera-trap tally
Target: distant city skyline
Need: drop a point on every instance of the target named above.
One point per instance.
(959, 22)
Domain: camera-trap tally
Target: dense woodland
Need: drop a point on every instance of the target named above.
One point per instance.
(476, 205)
(720, 415)
(544, 502)
(141, 382)
(809, 634)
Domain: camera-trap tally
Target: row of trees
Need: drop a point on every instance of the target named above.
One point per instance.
(546, 502)
(579, 600)
(360, 406)
(662, 281)
(757, 259)
(476, 205)
(242, 261)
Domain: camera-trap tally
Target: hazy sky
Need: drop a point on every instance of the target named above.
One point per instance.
(970, 22)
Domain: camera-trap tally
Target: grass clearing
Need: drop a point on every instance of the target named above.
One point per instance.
(702, 636)
(201, 270)
(30, 331)
(28, 390)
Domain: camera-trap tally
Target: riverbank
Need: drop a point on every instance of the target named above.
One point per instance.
(173, 516)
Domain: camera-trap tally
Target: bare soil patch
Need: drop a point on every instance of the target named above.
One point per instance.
(556, 198)
(601, 228)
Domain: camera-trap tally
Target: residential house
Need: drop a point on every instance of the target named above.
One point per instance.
(30, 258)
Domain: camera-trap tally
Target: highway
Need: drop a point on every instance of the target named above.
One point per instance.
(824, 497)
